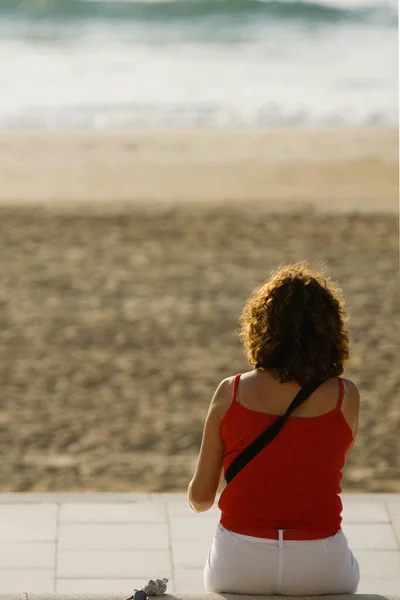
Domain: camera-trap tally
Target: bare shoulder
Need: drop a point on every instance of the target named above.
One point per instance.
(223, 396)
(351, 404)
(352, 395)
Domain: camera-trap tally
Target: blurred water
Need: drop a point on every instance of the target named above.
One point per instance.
(114, 63)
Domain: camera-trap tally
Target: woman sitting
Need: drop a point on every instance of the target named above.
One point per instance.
(280, 526)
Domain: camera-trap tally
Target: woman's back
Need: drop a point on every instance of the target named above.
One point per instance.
(261, 392)
(295, 480)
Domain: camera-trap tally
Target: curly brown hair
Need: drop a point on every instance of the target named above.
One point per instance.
(294, 324)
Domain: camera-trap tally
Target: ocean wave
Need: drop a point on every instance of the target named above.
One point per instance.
(160, 10)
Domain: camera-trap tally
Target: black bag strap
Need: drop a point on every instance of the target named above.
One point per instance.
(270, 433)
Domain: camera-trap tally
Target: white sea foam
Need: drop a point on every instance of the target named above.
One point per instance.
(62, 66)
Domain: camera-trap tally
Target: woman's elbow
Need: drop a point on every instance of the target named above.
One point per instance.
(200, 501)
(200, 506)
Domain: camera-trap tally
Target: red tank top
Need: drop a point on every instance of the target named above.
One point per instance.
(293, 483)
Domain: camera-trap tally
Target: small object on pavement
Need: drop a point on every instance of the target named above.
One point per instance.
(152, 588)
(156, 588)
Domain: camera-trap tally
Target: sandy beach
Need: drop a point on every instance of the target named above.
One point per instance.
(125, 261)
(345, 170)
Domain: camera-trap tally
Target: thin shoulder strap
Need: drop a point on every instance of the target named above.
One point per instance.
(235, 387)
(268, 434)
(342, 391)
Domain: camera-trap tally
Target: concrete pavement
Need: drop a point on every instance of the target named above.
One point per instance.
(100, 543)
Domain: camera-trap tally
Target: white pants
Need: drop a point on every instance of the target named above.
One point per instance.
(246, 565)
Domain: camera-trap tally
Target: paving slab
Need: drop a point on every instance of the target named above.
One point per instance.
(27, 555)
(182, 509)
(393, 506)
(385, 564)
(113, 536)
(34, 580)
(386, 587)
(102, 596)
(28, 523)
(189, 580)
(190, 528)
(369, 497)
(94, 564)
(100, 586)
(190, 555)
(66, 497)
(365, 512)
(113, 513)
(170, 497)
(376, 536)
(396, 528)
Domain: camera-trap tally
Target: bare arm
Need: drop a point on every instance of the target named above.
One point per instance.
(351, 410)
(204, 485)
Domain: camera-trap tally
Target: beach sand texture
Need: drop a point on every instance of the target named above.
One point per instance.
(122, 280)
(348, 169)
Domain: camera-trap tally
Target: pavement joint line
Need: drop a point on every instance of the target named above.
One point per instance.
(170, 550)
(385, 506)
(22, 568)
(113, 523)
(346, 523)
(56, 546)
(396, 537)
(114, 550)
